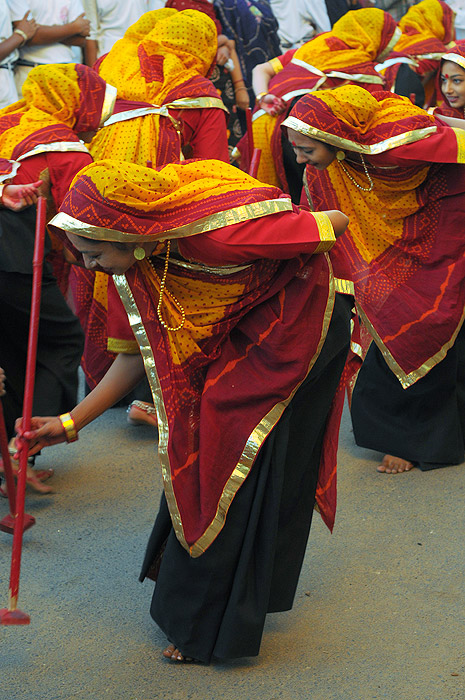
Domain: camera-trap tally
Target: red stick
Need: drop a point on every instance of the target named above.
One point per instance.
(248, 116)
(255, 162)
(11, 616)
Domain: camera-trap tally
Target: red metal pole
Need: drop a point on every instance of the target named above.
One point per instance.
(248, 116)
(11, 615)
(255, 162)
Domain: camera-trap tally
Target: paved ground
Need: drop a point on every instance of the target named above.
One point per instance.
(380, 610)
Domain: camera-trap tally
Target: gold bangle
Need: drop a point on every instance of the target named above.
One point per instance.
(22, 34)
(69, 426)
(260, 96)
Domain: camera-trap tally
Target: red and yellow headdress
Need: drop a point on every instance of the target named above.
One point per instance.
(59, 101)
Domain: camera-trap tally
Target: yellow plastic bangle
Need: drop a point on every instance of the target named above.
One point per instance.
(69, 427)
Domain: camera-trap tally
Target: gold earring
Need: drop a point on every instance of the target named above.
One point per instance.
(139, 253)
(340, 155)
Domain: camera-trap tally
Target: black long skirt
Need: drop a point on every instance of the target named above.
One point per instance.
(214, 606)
(425, 423)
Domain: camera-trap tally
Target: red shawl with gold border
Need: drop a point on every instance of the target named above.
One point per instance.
(254, 324)
(404, 246)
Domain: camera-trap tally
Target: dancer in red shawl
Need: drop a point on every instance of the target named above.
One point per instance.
(348, 53)
(397, 172)
(166, 109)
(427, 29)
(243, 347)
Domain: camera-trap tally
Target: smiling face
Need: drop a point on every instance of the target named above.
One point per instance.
(103, 255)
(310, 151)
(453, 84)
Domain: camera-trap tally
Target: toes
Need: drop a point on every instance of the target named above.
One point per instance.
(169, 651)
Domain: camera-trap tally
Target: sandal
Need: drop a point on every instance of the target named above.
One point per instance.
(142, 413)
(34, 478)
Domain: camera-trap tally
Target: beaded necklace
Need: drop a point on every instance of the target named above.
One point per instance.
(163, 290)
(363, 189)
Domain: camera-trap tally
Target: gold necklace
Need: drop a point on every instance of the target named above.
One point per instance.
(363, 189)
(163, 290)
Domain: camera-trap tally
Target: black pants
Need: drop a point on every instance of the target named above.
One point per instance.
(215, 606)
(59, 349)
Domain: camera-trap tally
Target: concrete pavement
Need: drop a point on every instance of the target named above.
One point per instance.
(379, 613)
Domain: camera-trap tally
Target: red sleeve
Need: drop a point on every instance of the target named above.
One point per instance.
(205, 131)
(279, 237)
(62, 167)
(286, 57)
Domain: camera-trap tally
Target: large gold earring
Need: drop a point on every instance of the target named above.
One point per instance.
(139, 253)
(340, 155)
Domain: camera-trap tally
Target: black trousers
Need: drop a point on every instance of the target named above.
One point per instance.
(215, 606)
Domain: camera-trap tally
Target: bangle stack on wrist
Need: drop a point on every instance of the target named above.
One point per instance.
(260, 97)
(21, 34)
(69, 427)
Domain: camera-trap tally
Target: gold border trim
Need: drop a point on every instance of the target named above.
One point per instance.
(394, 61)
(145, 348)
(254, 442)
(405, 379)
(326, 232)
(197, 103)
(134, 113)
(344, 286)
(14, 169)
(352, 77)
(276, 65)
(374, 149)
(257, 438)
(226, 270)
(394, 39)
(221, 219)
(118, 345)
(108, 103)
(455, 58)
(56, 146)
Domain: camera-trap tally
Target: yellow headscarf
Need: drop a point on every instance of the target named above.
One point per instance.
(57, 95)
(119, 201)
(362, 31)
(185, 42)
(425, 21)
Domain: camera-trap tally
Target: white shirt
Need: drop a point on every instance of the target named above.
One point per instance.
(293, 18)
(8, 93)
(47, 12)
(111, 18)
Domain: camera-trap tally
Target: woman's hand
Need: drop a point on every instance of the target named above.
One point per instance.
(45, 431)
(242, 97)
(17, 197)
(272, 104)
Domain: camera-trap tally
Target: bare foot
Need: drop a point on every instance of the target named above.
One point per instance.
(175, 655)
(394, 465)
